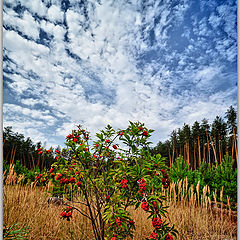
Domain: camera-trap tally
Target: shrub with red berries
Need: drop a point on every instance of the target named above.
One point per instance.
(117, 170)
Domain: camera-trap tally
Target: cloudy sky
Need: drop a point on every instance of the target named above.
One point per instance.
(100, 62)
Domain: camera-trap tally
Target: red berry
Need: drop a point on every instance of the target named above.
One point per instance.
(51, 170)
(108, 141)
(107, 197)
(114, 146)
(131, 222)
(63, 214)
(121, 133)
(86, 149)
(79, 184)
(40, 152)
(96, 145)
(69, 214)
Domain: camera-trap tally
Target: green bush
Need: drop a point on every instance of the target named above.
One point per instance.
(19, 169)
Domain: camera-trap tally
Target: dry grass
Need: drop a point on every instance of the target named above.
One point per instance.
(193, 217)
(28, 206)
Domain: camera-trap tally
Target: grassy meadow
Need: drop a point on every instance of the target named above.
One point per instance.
(193, 217)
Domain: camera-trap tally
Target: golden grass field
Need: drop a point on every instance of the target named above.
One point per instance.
(28, 206)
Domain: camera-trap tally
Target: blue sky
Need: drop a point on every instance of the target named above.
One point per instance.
(95, 63)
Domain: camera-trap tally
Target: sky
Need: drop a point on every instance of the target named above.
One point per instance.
(163, 63)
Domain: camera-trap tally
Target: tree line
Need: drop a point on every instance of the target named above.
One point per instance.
(202, 141)
(16, 147)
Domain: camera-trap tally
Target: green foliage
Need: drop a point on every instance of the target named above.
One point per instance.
(179, 169)
(13, 232)
(216, 177)
(19, 169)
(225, 176)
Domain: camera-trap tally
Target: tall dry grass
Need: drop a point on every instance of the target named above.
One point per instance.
(192, 216)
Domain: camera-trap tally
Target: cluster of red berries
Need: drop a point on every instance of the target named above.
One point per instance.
(145, 133)
(65, 180)
(40, 151)
(114, 237)
(142, 185)
(42, 178)
(157, 222)
(118, 221)
(145, 206)
(39, 176)
(169, 237)
(153, 235)
(69, 136)
(124, 183)
(67, 213)
(165, 179)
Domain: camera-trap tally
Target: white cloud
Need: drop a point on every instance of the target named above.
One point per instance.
(106, 83)
(55, 14)
(35, 6)
(205, 75)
